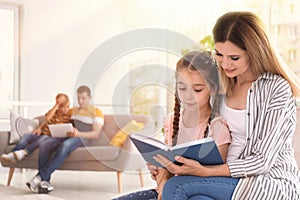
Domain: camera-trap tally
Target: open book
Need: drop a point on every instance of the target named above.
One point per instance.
(205, 150)
(60, 130)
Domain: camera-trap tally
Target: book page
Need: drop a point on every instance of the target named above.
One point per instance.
(152, 141)
(191, 143)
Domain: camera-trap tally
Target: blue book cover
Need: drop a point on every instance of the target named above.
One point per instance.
(205, 151)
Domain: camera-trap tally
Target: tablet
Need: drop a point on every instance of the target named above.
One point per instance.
(60, 130)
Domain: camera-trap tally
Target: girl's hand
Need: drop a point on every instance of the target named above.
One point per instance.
(153, 170)
(188, 167)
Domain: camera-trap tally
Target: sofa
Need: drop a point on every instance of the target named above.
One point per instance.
(100, 156)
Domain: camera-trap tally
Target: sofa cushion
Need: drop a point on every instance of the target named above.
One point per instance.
(113, 124)
(101, 153)
(120, 137)
(20, 126)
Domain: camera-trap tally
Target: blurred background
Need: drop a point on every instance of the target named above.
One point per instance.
(44, 44)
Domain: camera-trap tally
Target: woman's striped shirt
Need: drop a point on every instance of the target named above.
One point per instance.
(267, 167)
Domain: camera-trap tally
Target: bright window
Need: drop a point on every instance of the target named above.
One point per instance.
(9, 48)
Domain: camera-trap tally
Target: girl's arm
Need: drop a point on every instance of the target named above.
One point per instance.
(192, 167)
(223, 149)
(161, 178)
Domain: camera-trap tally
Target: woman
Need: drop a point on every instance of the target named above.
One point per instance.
(260, 109)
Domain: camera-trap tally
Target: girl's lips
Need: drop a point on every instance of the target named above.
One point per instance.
(190, 104)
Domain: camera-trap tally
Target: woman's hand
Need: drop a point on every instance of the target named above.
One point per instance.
(188, 167)
(60, 100)
(37, 131)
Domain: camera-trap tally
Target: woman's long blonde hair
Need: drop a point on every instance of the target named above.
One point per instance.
(247, 31)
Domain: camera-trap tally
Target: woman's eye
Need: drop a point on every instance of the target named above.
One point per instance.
(198, 90)
(218, 54)
(181, 88)
(235, 58)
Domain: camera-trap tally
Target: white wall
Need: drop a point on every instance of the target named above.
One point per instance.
(59, 35)
(57, 38)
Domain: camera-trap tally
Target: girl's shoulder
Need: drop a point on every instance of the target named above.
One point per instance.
(218, 120)
(220, 131)
(167, 122)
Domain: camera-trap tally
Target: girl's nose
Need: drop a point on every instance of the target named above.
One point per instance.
(190, 94)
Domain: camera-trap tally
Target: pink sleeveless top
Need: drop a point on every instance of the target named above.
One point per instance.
(218, 130)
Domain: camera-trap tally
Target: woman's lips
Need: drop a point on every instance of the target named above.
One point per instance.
(229, 71)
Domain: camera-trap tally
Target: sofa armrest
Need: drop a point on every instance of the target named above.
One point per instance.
(4, 140)
(129, 158)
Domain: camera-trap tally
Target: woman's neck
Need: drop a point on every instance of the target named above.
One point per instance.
(246, 77)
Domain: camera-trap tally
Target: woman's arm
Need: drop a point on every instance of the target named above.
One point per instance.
(59, 101)
(271, 131)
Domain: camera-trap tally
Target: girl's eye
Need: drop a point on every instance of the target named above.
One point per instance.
(234, 58)
(198, 90)
(181, 88)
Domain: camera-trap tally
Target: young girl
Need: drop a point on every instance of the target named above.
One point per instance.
(195, 113)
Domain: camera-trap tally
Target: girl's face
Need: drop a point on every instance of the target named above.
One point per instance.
(233, 60)
(192, 90)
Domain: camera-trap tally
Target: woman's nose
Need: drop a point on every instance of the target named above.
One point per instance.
(225, 63)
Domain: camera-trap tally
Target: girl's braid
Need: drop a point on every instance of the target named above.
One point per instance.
(176, 120)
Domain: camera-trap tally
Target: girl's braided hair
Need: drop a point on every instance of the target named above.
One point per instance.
(203, 62)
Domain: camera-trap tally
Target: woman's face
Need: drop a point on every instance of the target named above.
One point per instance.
(234, 61)
(192, 90)
(64, 108)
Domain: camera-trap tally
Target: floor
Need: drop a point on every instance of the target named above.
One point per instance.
(75, 185)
